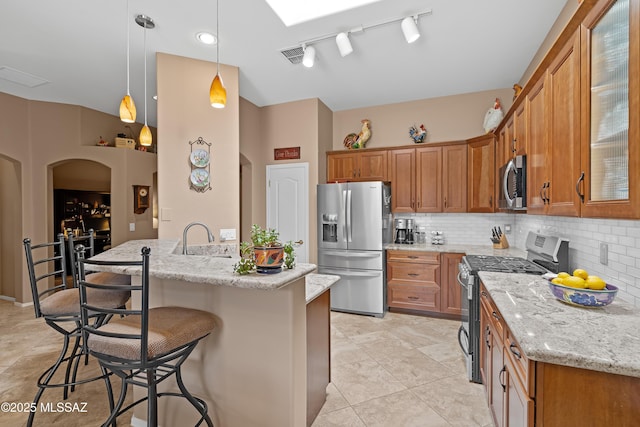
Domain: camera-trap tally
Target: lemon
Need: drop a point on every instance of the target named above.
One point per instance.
(557, 280)
(563, 274)
(580, 273)
(596, 283)
(574, 282)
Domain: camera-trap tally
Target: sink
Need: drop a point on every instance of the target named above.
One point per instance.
(211, 250)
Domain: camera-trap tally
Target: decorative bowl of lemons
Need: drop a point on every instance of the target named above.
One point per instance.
(582, 289)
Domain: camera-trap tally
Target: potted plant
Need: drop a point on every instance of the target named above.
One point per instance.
(265, 253)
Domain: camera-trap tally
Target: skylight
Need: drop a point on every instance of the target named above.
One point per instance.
(293, 12)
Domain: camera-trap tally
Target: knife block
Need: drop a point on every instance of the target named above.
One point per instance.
(503, 244)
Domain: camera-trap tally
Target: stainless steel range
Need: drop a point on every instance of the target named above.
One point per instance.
(544, 253)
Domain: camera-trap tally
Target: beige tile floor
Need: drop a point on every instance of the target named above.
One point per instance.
(399, 371)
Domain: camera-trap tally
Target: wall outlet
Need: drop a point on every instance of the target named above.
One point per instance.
(507, 228)
(604, 253)
(165, 214)
(227, 234)
(132, 226)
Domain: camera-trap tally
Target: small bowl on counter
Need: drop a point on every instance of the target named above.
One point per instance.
(584, 297)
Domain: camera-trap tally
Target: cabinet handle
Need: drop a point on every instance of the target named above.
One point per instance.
(412, 274)
(513, 145)
(502, 371)
(545, 198)
(358, 172)
(412, 257)
(542, 187)
(487, 334)
(490, 201)
(515, 351)
(354, 173)
(484, 294)
(578, 187)
(413, 298)
(494, 314)
(445, 202)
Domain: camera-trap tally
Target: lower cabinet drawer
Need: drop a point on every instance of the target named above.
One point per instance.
(523, 369)
(408, 272)
(415, 297)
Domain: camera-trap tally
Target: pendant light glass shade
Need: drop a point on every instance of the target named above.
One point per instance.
(145, 136)
(127, 109)
(127, 106)
(217, 93)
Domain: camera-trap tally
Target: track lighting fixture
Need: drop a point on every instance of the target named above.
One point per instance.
(309, 57)
(410, 28)
(344, 44)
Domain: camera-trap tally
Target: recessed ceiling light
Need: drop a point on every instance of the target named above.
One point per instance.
(293, 12)
(206, 38)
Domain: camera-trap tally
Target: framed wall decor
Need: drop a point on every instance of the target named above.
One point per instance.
(200, 163)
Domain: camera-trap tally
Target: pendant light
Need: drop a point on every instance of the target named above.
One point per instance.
(127, 106)
(145, 134)
(217, 91)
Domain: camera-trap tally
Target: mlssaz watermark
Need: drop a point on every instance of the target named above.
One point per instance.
(67, 407)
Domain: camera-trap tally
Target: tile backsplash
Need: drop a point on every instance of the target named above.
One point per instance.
(622, 238)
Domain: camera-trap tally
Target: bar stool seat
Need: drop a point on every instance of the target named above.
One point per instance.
(67, 301)
(169, 328)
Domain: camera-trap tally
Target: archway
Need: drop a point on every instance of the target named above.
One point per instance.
(10, 228)
(81, 199)
(246, 197)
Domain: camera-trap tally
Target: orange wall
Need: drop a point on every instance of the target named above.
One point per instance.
(38, 135)
(184, 115)
(446, 118)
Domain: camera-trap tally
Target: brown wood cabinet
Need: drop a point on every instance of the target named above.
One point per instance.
(413, 280)
(537, 191)
(525, 393)
(318, 354)
(481, 174)
(356, 165)
(450, 292)
(428, 179)
(424, 282)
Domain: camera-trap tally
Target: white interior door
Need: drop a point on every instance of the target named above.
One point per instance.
(288, 204)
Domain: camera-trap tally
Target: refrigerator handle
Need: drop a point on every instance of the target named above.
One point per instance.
(349, 223)
(344, 221)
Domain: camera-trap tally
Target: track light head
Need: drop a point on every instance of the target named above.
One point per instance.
(344, 44)
(309, 57)
(410, 28)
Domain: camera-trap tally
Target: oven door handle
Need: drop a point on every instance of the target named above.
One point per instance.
(461, 331)
(467, 286)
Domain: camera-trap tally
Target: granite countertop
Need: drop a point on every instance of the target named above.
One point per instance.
(457, 248)
(216, 268)
(603, 339)
(316, 284)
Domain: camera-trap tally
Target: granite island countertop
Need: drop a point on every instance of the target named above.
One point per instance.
(458, 248)
(167, 262)
(605, 339)
(316, 284)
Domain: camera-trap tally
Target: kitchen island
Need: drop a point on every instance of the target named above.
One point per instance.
(548, 363)
(252, 369)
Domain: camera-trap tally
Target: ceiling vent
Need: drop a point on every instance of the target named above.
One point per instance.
(20, 77)
(294, 55)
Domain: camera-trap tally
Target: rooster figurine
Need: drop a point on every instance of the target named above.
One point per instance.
(493, 117)
(418, 134)
(353, 141)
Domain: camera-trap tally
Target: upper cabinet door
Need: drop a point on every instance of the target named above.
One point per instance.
(611, 137)
(537, 149)
(481, 174)
(429, 179)
(341, 167)
(403, 179)
(454, 178)
(563, 92)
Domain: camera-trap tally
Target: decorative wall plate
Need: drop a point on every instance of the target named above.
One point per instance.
(200, 178)
(199, 158)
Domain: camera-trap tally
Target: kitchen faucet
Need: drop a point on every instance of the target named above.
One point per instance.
(184, 235)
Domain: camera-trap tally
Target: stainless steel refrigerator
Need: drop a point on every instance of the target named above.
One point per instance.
(354, 224)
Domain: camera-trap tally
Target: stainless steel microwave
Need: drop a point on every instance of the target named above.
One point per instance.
(513, 184)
